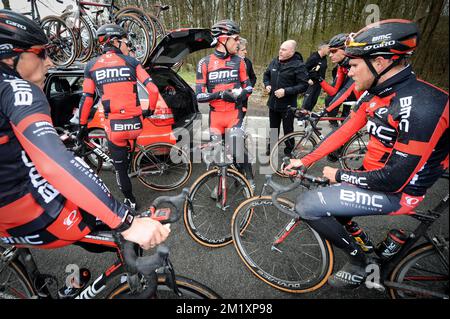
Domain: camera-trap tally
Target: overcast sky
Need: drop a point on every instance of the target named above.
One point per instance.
(46, 7)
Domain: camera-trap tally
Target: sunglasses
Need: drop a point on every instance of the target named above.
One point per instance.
(350, 41)
(127, 43)
(235, 38)
(40, 52)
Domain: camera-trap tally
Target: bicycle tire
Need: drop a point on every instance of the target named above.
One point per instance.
(145, 17)
(277, 153)
(159, 156)
(351, 153)
(427, 258)
(67, 45)
(132, 23)
(257, 257)
(85, 38)
(189, 288)
(23, 289)
(221, 233)
(98, 137)
(159, 28)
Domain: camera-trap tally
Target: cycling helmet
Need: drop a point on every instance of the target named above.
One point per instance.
(108, 32)
(18, 31)
(395, 38)
(225, 27)
(338, 41)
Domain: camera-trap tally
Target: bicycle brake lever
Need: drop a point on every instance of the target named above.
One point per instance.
(170, 278)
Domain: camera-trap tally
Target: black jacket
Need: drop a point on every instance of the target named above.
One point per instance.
(315, 59)
(290, 75)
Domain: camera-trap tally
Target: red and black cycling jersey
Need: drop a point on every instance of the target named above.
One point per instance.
(115, 77)
(407, 120)
(347, 92)
(341, 75)
(220, 72)
(37, 173)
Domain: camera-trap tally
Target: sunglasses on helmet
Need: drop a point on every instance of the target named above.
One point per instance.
(350, 41)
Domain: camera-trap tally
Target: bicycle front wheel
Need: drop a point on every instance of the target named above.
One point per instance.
(14, 282)
(294, 145)
(138, 34)
(190, 289)
(162, 166)
(354, 151)
(208, 210)
(422, 268)
(281, 251)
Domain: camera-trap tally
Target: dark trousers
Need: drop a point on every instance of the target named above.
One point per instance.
(334, 113)
(311, 97)
(287, 117)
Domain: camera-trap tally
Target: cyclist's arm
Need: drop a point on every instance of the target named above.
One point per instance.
(201, 89)
(266, 76)
(342, 97)
(251, 72)
(33, 128)
(417, 138)
(340, 77)
(355, 121)
(152, 89)
(87, 99)
(301, 82)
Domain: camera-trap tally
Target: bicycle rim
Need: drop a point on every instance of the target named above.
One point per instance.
(189, 288)
(301, 147)
(14, 283)
(162, 166)
(138, 34)
(64, 49)
(207, 220)
(424, 269)
(282, 252)
(354, 151)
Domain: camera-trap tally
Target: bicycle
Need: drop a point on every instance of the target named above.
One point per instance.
(62, 47)
(141, 277)
(214, 196)
(350, 155)
(159, 166)
(285, 252)
(139, 26)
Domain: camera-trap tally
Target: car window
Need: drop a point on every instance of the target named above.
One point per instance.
(65, 84)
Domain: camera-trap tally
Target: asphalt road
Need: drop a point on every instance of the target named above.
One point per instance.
(220, 268)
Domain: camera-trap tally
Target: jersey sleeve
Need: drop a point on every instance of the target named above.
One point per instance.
(330, 89)
(87, 99)
(147, 81)
(355, 121)
(31, 123)
(418, 135)
(201, 89)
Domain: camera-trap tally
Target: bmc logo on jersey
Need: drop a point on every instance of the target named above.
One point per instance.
(112, 73)
(22, 92)
(379, 131)
(405, 113)
(127, 126)
(224, 74)
(361, 198)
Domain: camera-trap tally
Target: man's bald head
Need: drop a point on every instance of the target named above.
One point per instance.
(287, 50)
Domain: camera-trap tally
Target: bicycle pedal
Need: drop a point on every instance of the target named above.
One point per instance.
(43, 281)
(75, 288)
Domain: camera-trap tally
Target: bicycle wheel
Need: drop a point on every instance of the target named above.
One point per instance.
(281, 251)
(354, 151)
(189, 288)
(83, 34)
(301, 147)
(424, 269)
(207, 220)
(146, 18)
(14, 282)
(138, 34)
(159, 28)
(162, 166)
(64, 47)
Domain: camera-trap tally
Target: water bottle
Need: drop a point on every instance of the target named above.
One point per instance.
(391, 244)
(360, 236)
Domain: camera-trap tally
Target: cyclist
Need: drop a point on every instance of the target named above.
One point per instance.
(407, 120)
(114, 76)
(218, 75)
(343, 87)
(48, 198)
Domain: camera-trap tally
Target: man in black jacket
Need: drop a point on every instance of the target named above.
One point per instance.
(242, 52)
(318, 57)
(284, 79)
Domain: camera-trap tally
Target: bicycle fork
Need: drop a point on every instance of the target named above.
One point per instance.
(222, 190)
(283, 234)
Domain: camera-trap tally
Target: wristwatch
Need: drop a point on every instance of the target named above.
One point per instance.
(126, 222)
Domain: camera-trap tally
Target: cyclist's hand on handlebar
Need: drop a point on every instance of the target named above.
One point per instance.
(330, 173)
(146, 232)
(290, 169)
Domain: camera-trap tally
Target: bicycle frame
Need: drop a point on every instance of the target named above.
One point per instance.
(34, 13)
